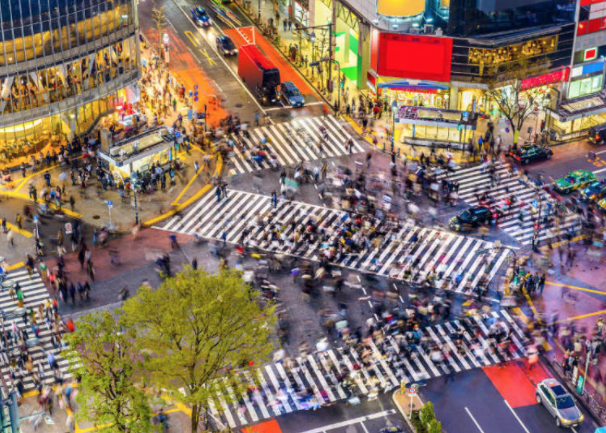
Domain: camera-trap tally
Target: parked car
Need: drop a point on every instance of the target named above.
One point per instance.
(200, 17)
(559, 403)
(574, 180)
(473, 217)
(531, 153)
(291, 95)
(226, 46)
(594, 191)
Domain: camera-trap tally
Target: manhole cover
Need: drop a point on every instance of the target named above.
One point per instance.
(96, 217)
(239, 105)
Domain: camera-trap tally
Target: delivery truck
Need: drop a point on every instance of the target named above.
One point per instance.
(259, 74)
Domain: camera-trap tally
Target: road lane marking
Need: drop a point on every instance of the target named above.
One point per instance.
(599, 171)
(517, 417)
(359, 420)
(474, 420)
(584, 289)
(205, 53)
(223, 60)
(583, 316)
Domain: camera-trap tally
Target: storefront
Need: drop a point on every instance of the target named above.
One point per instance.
(574, 117)
(28, 138)
(426, 126)
(139, 153)
(414, 93)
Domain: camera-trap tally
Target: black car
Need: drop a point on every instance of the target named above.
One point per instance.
(473, 217)
(226, 46)
(527, 154)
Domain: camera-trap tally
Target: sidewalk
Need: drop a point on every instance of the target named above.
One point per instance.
(90, 202)
(573, 300)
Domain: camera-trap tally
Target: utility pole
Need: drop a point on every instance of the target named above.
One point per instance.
(136, 206)
(332, 27)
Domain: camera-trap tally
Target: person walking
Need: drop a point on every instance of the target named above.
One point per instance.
(274, 199)
(218, 193)
(19, 221)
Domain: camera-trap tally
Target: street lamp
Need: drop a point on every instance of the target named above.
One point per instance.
(166, 40)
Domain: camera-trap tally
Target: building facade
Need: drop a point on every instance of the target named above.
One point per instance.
(443, 53)
(63, 65)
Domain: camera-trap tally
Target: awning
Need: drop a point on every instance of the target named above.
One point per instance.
(413, 86)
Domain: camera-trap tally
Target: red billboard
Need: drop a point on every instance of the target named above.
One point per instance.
(541, 80)
(415, 57)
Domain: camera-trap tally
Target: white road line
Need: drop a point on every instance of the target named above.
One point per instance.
(474, 420)
(517, 417)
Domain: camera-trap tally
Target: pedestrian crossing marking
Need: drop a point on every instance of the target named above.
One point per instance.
(293, 142)
(34, 294)
(272, 392)
(474, 180)
(451, 259)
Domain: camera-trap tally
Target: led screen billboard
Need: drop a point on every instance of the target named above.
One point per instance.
(415, 57)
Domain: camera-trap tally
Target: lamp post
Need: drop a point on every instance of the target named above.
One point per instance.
(312, 39)
(166, 40)
(136, 206)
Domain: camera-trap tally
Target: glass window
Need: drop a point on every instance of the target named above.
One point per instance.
(596, 84)
(574, 89)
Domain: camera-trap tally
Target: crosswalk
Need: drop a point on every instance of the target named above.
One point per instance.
(34, 294)
(475, 180)
(292, 142)
(455, 262)
(277, 387)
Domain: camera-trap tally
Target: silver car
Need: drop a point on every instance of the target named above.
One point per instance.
(559, 403)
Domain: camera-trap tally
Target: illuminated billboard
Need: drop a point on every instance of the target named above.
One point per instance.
(415, 57)
(400, 8)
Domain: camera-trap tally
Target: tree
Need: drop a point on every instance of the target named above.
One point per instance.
(201, 331)
(435, 426)
(159, 19)
(101, 352)
(427, 414)
(505, 90)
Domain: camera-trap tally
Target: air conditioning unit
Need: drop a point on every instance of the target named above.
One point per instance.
(428, 29)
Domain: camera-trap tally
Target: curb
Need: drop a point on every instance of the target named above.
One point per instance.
(186, 203)
(23, 196)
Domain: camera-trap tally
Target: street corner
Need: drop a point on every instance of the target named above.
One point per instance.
(572, 301)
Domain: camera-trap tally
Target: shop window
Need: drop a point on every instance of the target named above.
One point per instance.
(574, 91)
(596, 83)
(511, 53)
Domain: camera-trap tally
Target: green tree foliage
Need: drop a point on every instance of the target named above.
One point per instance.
(102, 354)
(201, 332)
(435, 426)
(427, 414)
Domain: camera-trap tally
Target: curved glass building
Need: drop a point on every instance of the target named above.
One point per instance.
(63, 65)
